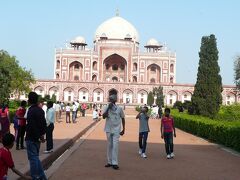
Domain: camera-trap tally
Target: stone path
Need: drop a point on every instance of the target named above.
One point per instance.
(196, 159)
(64, 135)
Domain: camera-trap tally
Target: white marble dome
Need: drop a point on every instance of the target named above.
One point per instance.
(152, 42)
(116, 28)
(79, 39)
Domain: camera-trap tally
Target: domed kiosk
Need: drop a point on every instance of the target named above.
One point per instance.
(153, 45)
(78, 43)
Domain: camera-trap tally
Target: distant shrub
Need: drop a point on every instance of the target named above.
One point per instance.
(187, 104)
(138, 108)
(177, 104)
(229, 113)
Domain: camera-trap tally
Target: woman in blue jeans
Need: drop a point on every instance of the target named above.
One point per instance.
(143, 130)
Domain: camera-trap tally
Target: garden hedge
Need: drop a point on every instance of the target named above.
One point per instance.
(226, 133)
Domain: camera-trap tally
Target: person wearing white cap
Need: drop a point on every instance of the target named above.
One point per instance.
(114, 118)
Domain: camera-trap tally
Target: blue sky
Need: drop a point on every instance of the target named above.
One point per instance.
(31, 30)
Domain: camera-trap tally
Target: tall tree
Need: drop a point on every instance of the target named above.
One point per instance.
(22, 81)
(6, 65)
(237, 72)
(207, 96)
(13, 78)
(158, 92)
(150, 98)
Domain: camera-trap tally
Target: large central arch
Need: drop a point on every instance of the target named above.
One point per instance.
(75, 71)
(153, 74)
(115, 69)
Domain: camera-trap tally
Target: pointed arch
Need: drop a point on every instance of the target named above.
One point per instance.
(154, 73)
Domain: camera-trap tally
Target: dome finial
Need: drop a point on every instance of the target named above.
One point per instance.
(117, 12)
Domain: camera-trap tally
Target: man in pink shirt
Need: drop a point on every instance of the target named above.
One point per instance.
(167, 132)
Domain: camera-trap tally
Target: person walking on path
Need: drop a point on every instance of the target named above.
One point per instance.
(35, 130)
(95, 115)
(68, 110)
(57, 111)
(77, 104)
(83, 109)
(143, 130)
(21, 125)
(6, 160)
(74, 112)
(114, 117)
(50, 119)
(167, 132)
(4, 121)
(160, 112)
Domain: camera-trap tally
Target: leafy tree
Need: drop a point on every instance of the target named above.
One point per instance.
(13, 78)
(22, 81)
(237, 72)
(150, 99)
(158, 91)
(207, 96)
(6, 65)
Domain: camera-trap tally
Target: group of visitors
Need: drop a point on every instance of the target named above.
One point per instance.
(74, 108)
(114, 116)
(167, 131)
(32, 124)
(37, 121)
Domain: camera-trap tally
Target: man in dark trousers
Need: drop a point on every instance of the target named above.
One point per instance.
(35, 130)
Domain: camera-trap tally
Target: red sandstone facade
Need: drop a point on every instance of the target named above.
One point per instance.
(115, 63)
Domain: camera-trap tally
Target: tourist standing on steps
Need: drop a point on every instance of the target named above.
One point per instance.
(114, 117)
(35, 130)
(143, 130)
(167, 132)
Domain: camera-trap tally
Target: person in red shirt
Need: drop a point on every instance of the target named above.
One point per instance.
(6, 160)
(4, 121)
(83, 109)
(167, 132)
(21, 125)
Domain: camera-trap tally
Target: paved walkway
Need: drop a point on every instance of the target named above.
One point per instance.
(63, 136)
(196, 159)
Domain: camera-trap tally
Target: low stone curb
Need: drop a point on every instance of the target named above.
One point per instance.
(49, 159)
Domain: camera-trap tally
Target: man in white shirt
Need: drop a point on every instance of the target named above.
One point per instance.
(44, 107)
(57, 111)
(114, 117)
(77, 104)
(74, 111)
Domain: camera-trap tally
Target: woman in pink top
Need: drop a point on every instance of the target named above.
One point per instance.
(167, 132)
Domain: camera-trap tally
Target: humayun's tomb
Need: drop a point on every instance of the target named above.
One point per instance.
(116, 64)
